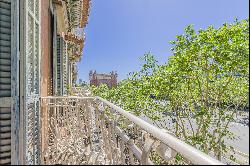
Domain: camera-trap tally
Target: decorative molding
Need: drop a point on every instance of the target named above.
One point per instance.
(58, 2)
(85, 12)
(73, 38)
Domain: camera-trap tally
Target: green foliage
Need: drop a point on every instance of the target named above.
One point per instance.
(69, 89)
(201, 88)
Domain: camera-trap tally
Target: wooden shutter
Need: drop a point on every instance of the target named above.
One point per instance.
(62, 66)
(8, 82)
(69, 77)
(65, 68)
(59, 65)
(5, 49)
(54, 32)
(5, 82)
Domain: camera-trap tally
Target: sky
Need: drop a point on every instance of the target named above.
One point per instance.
(121, 31)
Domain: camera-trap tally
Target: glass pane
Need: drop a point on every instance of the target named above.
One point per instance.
(36, 132)
(37, 9)
(36, 60)
(29, 133)
(30, 54)
(65, 76)
(31, 5)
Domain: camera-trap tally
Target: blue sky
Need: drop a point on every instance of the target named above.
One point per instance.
(121, 31)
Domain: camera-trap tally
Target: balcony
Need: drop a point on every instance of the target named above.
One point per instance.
(90, 130)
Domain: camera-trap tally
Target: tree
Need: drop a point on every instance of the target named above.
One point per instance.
(200, 89)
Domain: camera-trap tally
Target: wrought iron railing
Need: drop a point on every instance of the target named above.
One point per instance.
(91, 130)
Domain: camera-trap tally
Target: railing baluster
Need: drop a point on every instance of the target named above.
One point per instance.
(122, 152)
(110, 142)
(146, 150)
(103, 131)
(131, 155)
(89, 128)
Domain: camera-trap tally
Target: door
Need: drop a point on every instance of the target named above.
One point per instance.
(9, 110)
(30, 71)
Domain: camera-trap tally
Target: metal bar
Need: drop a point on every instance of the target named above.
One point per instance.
(136, 151)
(66, 97)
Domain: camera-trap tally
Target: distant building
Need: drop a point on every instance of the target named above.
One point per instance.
(98, 79)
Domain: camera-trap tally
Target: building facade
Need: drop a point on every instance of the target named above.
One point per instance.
(40, 44)
(97, 79)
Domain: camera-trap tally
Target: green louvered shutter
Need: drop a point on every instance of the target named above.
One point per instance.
(5, 82)
(62, 67)
(59, 65)
(65, 68)
(9, 80)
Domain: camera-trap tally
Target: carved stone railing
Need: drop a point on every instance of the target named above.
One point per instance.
(91, 130)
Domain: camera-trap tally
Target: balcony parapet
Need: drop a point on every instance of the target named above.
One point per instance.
(85, 12)
(91, 130)
(58, 2)
(74, 38)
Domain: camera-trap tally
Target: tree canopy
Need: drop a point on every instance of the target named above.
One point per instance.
(198, 92)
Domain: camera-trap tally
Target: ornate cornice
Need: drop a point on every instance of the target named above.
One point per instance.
(73, 38)
(58, 2)
(85, 12)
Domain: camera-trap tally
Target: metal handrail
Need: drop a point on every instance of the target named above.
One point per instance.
(186, 150)
(189, 152)
(65, 97)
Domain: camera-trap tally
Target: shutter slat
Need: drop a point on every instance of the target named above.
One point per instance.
(5, 154)
(4, 56)
(5, 18)
(5, 123)
(4, 42)
(5, 148)
(5, 116)
(5, 86)
(5, 30)
(6, 37)
(5, 93)
(5, 49)
(5, 24)
(5, 135)
(5, 161)
(5, 80)
(4, 74)
(5, 68)
(5, 141)
(5, 5)
(5, 12)
(5, 62)
(4, 110)
(5, 129)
